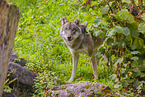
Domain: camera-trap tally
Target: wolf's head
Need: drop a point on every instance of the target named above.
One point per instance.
(70, 30)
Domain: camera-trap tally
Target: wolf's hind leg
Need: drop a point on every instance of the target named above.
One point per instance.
(75, 58)
(94, 65)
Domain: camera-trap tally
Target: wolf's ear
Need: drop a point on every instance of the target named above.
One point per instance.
(77, 21)
(64, 20)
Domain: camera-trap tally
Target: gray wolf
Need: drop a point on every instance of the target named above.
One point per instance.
(78, 41)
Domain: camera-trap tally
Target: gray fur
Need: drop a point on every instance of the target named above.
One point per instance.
(75, 36)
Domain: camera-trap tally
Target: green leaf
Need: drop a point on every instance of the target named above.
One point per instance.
(113, 76)
(141, 43)
(142, 67)
(119, 29)
(99, 32)
(135, 43)
(143, 16)
(126, 31)
(141, 28)
(124, 83)
(134, 63)
(123, 70)
(92, 11)
(124, 15)
(116, 86)
(109, 41)
(136, 83)
(112, 32)
(133, 29)
(134, 33)
(133, 47)
(142, 75)
(138, 43)
(104, 10)
(121, 44)
(122, 30)
(120, 60)
(134, 58)
(97, 22)
(137, 72)
(94, 3)
(135, 52)
(133, 26)
(89, 18)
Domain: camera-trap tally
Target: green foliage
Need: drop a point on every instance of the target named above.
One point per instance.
(141, 28)
(39, 42)
(124, 16)
(45, 81)
(125, 42)
(143, 16)
(104, 10)
(8, 81)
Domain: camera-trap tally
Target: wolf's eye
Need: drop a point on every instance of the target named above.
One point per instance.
(74, 31)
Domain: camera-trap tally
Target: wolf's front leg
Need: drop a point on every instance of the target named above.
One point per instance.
(75, 58)
(94, 65)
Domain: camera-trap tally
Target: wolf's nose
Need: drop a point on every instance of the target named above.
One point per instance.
(69, 38)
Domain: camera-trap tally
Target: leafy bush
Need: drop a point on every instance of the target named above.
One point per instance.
(123, 22)
(45, 81)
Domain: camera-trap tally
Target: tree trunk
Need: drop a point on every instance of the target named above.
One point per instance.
(9, 17)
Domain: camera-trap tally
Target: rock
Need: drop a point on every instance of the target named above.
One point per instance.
(7, 95)
(21, 80)
(14, 58)
(82, 89)
(21, 62)
(21, 74)
(24, 80)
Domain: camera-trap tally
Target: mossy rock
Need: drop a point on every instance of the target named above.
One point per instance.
(82, 89)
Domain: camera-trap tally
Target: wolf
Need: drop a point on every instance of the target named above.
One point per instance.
(78, 41)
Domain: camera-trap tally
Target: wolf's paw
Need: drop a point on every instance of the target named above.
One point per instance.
(96, 76)
(70, 80)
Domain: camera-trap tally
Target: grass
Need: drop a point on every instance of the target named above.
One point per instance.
(39, 42)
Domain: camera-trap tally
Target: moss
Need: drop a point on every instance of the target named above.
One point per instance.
(71, 95)
(91, 95)
(87, 86)
(63, 87)
(56, 95)
(101, 89)
(110, 95)
(55, 88)
(98, 93)
(103, 86)
(105, 93)
(82, 90)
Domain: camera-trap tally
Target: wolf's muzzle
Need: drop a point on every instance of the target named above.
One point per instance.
(69, 38)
